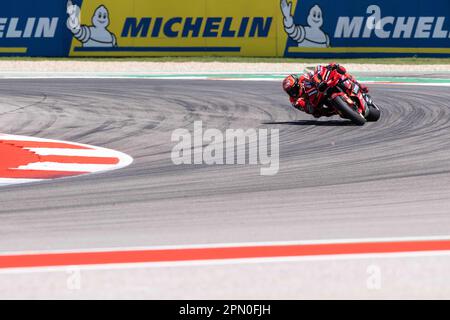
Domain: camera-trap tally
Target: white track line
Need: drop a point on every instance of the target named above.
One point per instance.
(168, 76)
(9, 181)
(248, 261)
(74, 152)
(75, 167)
(235, 244)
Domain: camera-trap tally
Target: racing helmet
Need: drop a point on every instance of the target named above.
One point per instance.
(291, 85)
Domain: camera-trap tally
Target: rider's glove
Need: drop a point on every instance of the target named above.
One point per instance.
(338, 68)
(363, 88)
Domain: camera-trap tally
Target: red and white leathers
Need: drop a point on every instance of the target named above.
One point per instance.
(307, 98)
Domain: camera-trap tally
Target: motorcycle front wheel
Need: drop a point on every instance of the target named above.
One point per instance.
(374, 113)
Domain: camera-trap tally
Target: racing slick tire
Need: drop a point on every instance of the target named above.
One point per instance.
(374, 113)
(348, 112)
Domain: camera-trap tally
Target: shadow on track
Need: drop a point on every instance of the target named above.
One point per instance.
(328, 123)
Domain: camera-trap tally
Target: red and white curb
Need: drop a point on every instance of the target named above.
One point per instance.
(227, 253)
(28, 159)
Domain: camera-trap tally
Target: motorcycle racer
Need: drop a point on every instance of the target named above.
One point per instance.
(303, 90)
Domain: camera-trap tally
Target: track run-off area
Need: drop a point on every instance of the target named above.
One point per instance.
(347, 205)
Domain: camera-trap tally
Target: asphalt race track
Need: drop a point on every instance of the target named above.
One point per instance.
(336, 180)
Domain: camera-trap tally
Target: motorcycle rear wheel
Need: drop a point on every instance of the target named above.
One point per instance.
(348, 112)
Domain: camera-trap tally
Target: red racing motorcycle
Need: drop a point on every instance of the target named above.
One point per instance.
(344, 95)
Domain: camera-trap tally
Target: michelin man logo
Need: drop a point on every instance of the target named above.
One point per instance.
(96, 35)
(306, 36)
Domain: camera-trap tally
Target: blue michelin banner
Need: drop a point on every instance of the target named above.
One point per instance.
(34, 28)
(367, 28)
(290, 28)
